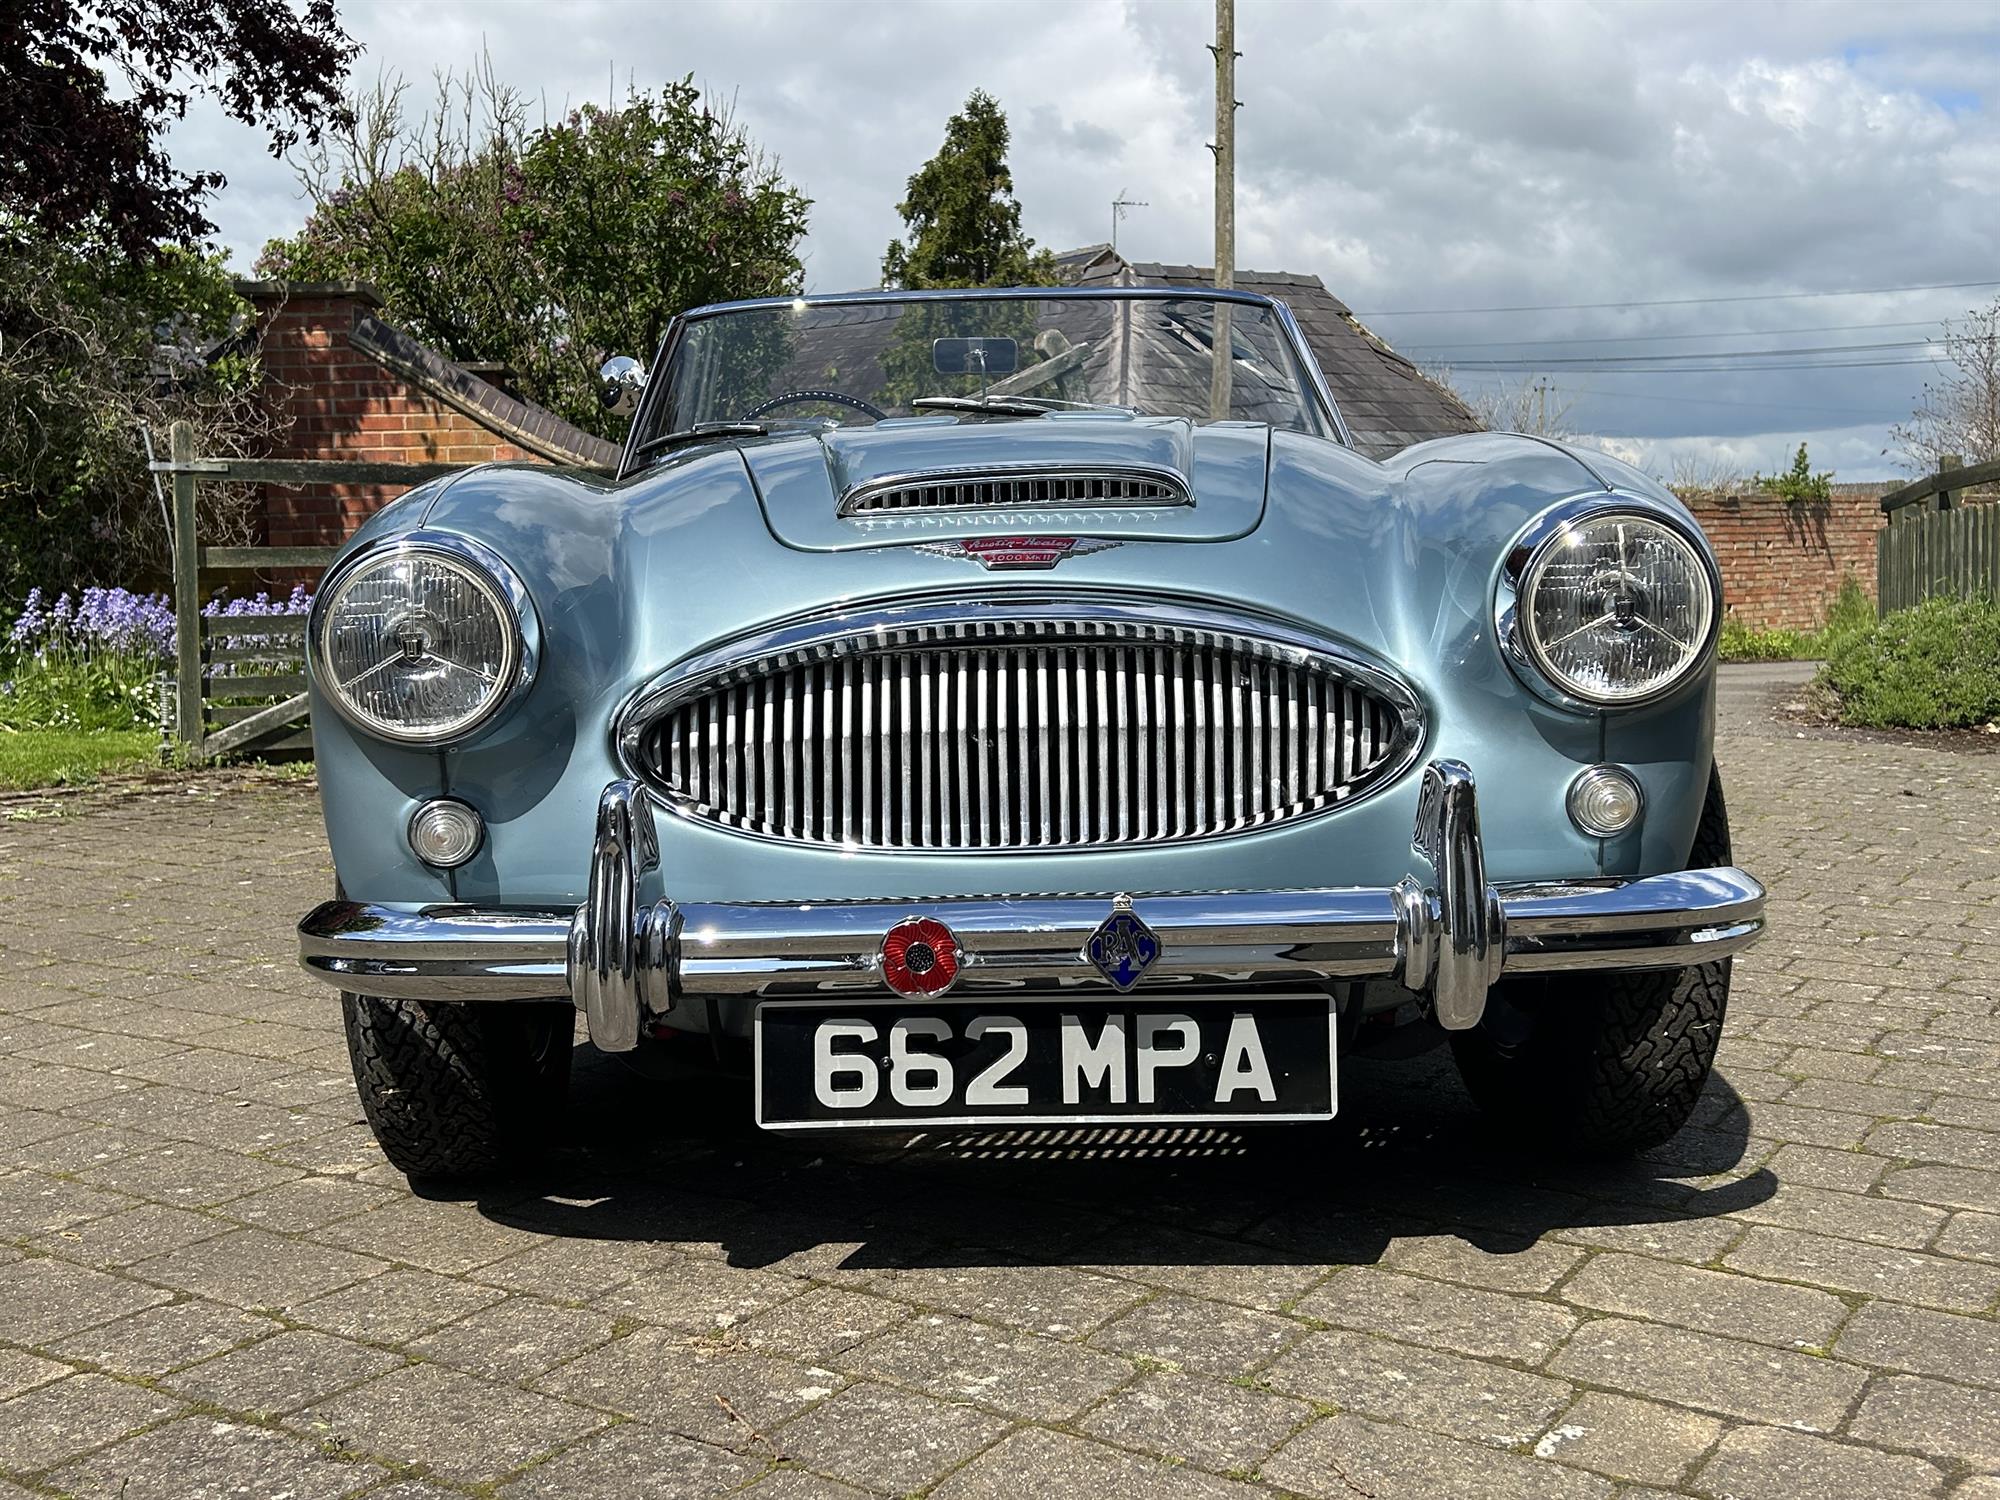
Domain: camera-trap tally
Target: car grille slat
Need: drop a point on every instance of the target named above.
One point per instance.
(999, 491)
(1064, 735)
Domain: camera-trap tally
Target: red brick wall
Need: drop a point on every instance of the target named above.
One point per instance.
(1781, 563)
(337, 402)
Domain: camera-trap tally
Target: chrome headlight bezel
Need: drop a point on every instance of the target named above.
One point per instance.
(1521, 570)
(488, 572)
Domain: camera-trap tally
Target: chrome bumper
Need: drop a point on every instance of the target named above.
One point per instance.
(626, 965)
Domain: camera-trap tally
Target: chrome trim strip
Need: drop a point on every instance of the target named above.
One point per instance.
(855, 504)
(843, 640)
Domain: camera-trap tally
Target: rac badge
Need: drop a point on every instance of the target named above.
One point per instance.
(1122, 948)
(1016, 553)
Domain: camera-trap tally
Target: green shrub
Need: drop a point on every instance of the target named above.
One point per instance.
(1798, 484)
(1852, 612)
(1936, 666)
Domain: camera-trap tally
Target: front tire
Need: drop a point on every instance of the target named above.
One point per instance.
(1604, 1063)
(458, 1090)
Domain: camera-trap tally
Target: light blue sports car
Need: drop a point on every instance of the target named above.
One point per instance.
(1010, 707)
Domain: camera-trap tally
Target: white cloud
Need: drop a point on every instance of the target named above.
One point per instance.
(1415, 156)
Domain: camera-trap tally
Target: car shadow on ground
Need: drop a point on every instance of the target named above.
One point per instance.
(680, 1163)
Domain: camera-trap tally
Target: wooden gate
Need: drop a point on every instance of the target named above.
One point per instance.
(1935, 545)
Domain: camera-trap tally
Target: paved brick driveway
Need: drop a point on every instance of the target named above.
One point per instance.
(211, 1285)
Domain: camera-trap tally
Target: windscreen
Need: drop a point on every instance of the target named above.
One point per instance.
(860, 362)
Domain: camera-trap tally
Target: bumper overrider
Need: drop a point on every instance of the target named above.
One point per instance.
(1444, 932)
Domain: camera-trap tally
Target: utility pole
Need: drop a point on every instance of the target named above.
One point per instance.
(1225, 199)
(1118, 207)
(1542, 406)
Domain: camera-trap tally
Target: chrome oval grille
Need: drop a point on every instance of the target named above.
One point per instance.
(1035, 488)
(1022, 734)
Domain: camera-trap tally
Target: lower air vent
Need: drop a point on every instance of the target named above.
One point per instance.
(1039, 489)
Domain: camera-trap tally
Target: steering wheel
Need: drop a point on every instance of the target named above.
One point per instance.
(838, 398)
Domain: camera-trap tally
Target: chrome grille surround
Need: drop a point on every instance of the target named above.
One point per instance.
(1014, 725)
(1050, 487)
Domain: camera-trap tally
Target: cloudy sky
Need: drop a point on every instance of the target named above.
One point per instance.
(1429, 161)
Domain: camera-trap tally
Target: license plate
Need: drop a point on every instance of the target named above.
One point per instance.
(822, 1064)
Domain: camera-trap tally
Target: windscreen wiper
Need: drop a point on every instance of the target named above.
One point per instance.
(703, 430)
(987, 406)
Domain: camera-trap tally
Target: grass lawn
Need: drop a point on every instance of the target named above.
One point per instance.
(32, 758)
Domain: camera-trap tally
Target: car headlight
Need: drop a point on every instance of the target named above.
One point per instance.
(422, 641)
(1615, 607)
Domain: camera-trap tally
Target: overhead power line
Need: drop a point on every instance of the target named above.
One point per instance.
(1529, 367)
(1711, 354)
(1877, 291)
(1668, 338)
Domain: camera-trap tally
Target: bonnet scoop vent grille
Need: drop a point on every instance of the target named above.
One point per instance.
(1017, 489)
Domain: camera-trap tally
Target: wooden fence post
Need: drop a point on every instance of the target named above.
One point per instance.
(1947, 499)
(187, 594)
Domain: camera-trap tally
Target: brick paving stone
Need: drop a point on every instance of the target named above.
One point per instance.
(257, 1269)
(1036, 1464)
(136, 1234)
(699, 1296)
(1462, 1319)
(1713, 1301)
(1345, 1456)
(882, 1438)
(57, 1421)
(1974, 1114)
(1974, 1235)
(396, 1306)
(1848, 1215)
(43, 1299)
(1950, 1187)
(162, 1339)
(1819, 1062)
(1054, 1300)
(461, 1427)
(820, 1324)
(1752, 1381)
(1696, 1240)
(1878, 1100)
(517, 1339)
(1946, 1144)
(1946, 1421)
(1624, 1438)
(1532, 1267)
(1819, 1166)
(635, 1461)
(1769, 1463)
(189, 1176)
(1206, 1266)
(200, 1458)
(33, 1204)
(1021, 1374)
(283, 1372)
(305, 1204)
(21, 1371)
(1439, 1392)
(571, 1270)
(1930, 1343)
(1867, 1270)
(1211, 1423)
(798, 1484)
(448, 1238)
(718, 1392)
(1210, 1338)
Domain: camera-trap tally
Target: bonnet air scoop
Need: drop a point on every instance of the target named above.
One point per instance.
(1084, 474)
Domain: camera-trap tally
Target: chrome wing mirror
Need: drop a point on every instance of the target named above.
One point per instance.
(623, 379)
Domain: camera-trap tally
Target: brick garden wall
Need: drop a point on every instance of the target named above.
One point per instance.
(335, 401)
(1782, 564)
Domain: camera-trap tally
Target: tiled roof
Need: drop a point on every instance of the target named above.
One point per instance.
(1387, 401)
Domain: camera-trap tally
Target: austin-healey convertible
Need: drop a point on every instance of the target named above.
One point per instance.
(1022, 707)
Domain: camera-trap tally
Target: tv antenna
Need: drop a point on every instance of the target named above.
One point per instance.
(1118, 207)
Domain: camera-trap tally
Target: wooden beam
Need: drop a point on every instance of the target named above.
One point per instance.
(1969, 477)
(187, 597)
(241, 733)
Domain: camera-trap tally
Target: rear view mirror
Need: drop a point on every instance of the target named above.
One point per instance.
(623, 378)
(975, 356)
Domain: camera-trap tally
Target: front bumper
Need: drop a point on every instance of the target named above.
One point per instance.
(628, 964)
